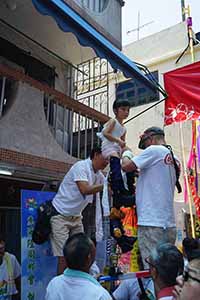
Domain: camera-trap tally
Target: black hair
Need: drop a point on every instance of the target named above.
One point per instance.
(76, 250)
(154, 131)
(191, 247)
(2, 238)
(95, 149)
(168, 261)
(121, 102)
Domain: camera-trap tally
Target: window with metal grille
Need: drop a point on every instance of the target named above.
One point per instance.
(95, 5)
(134, 91)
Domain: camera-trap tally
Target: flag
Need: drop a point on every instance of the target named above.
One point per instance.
(183, 88)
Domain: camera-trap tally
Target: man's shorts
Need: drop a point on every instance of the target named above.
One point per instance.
(62, 228)
(149, 237)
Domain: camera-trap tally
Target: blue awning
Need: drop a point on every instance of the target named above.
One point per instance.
(69, 21)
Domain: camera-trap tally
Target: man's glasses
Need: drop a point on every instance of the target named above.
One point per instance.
(186, 276)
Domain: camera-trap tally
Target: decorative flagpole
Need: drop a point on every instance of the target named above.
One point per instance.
(186, 180)
(190, 35)
(190, 32)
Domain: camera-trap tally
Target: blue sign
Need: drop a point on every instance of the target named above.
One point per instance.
(39, 266)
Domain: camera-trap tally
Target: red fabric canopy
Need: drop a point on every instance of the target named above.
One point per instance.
(183, 88)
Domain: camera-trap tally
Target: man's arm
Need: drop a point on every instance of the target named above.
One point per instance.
(128, 165)
(87, 189)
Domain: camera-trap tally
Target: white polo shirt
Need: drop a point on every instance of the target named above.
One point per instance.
(155, 187)
(75, 285)
(69, 201)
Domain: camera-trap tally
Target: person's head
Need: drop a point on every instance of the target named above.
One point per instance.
(98, 160)
(190, 245)
(151, 136)
(121, 108)
(2, 246)
(166, 263)
(190, 286)
(79, 252)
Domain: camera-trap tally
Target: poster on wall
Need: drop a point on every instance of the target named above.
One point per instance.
(39, 266)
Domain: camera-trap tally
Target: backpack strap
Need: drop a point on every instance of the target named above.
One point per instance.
(177, 171)
(143, 295)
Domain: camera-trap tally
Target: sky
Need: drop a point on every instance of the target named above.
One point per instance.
(160, 14)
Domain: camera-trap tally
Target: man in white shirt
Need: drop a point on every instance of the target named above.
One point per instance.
(155, 186)
(82, 181)
(76, 283)
(10, 274)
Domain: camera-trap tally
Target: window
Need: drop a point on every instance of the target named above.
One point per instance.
(7, 91)
(136, 93)
(31, 65)
(95, 5)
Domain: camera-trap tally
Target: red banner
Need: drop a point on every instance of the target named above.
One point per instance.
(183, 88)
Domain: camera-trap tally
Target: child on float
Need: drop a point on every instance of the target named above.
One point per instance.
(113, 137)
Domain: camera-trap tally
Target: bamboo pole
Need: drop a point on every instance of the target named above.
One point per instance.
(186, 179)
(189, 25)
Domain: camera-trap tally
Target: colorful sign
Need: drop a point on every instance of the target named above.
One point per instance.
(38, 264)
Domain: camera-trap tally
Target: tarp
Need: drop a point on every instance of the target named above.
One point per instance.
(183, 88)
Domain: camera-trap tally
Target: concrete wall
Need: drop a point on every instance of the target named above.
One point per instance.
(24, 127)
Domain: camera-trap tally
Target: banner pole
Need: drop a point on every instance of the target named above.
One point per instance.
(186, 179)
(190, 35)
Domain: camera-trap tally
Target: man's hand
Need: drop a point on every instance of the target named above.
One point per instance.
(121, 143)
(178, 288)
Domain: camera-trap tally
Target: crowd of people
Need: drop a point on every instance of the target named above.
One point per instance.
(173, 275)
(169, 278)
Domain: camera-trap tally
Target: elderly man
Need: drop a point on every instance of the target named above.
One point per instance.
(10, 274)
(165, 263)
(188, 285)
(159, 172)
(76, 283)
(82, 181)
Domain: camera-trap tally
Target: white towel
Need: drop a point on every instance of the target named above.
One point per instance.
(98, 178)
(105, 197)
